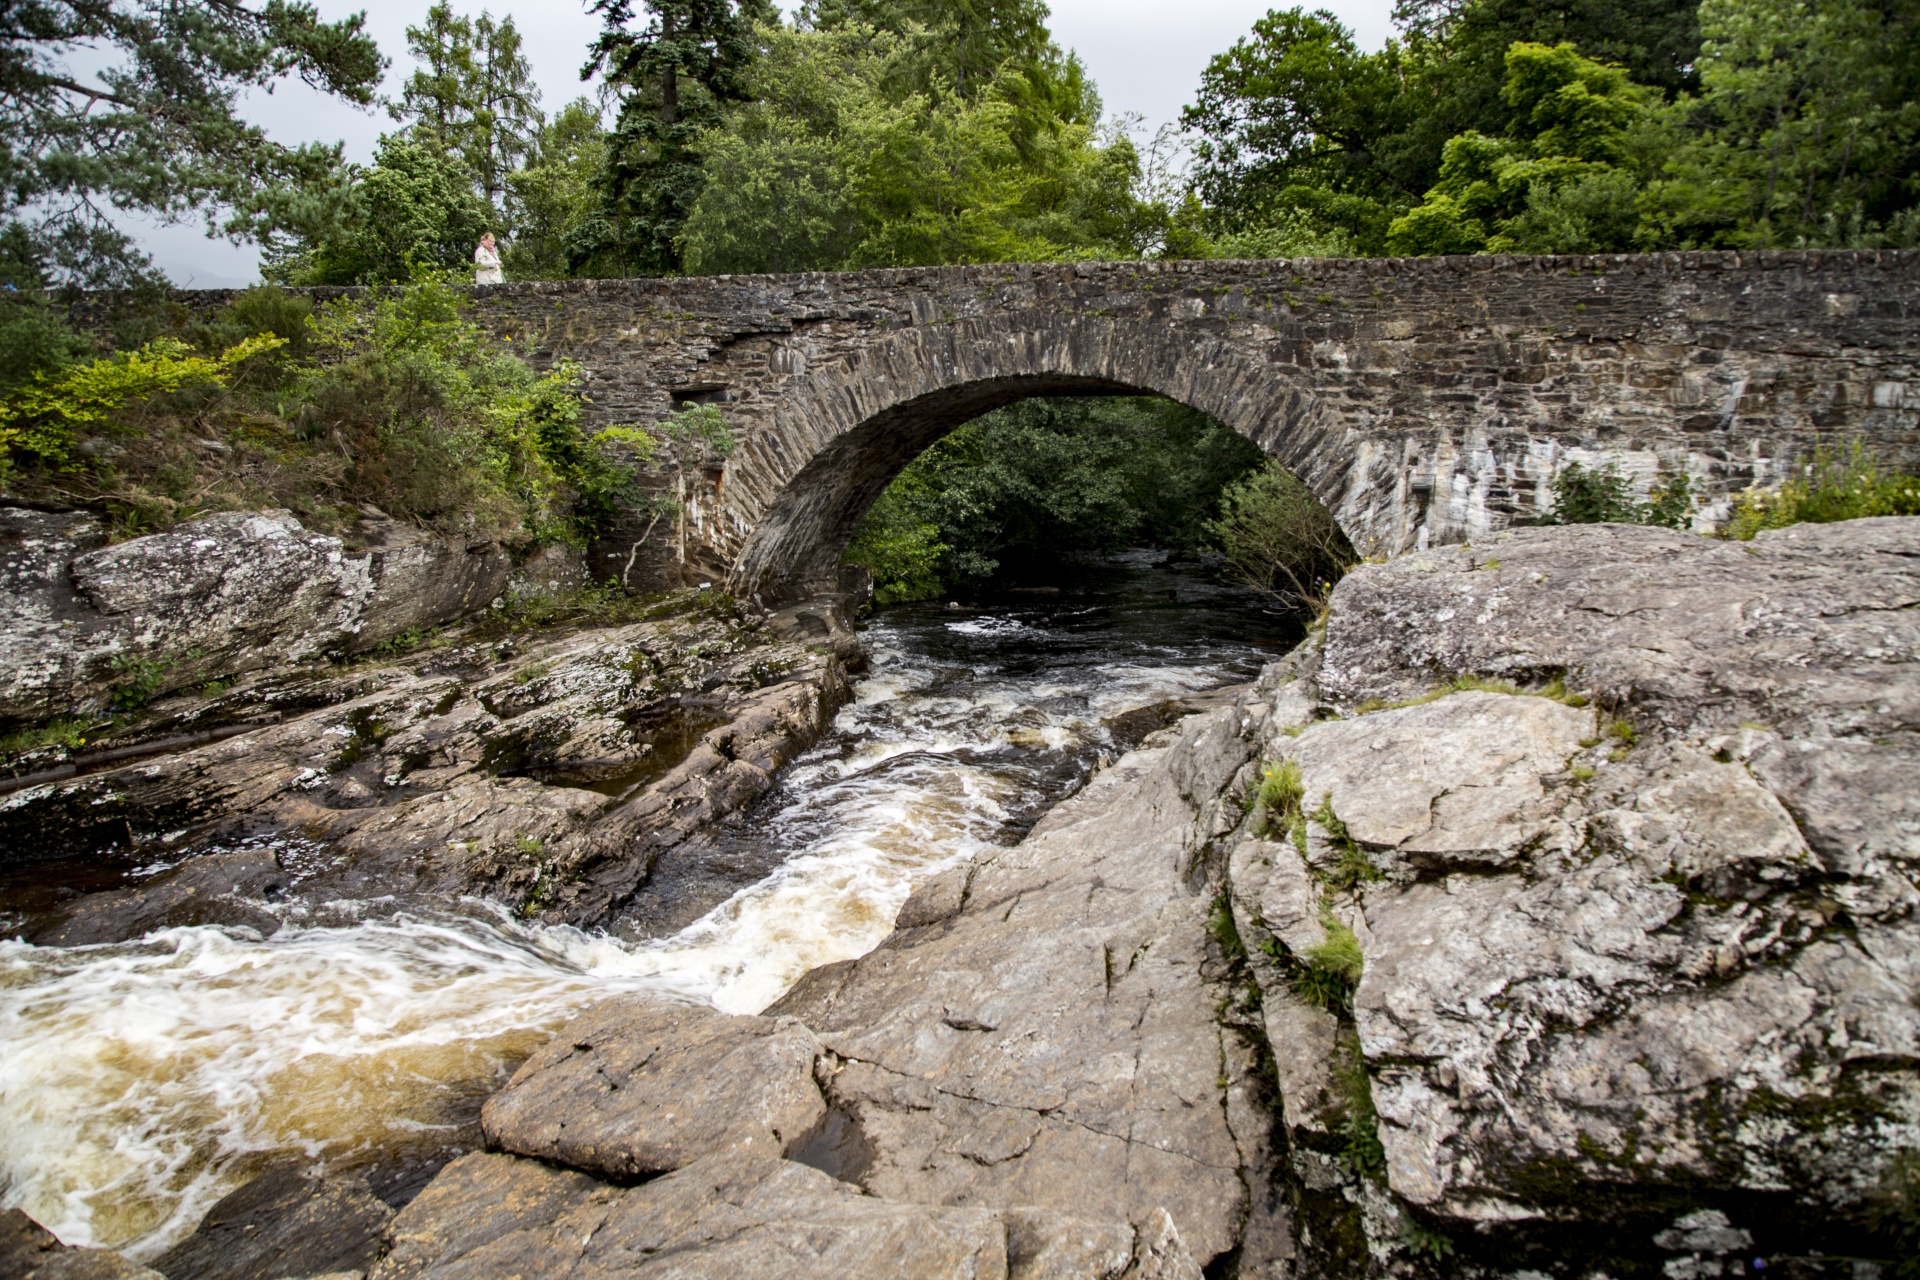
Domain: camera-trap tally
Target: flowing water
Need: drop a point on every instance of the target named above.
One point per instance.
(141, 1081)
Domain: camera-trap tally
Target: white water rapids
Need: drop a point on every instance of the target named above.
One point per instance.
(140, 1082)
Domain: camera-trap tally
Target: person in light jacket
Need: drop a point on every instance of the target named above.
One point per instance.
(486, 262)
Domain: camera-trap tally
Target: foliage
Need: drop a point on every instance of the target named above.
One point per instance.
(1026, 489)
(902, 553)
(673, 72)
(1330, 970)
(62, 734)
(132, 105)
(1836, 485)
(415, 209)
(1279, 540)
(1360, 1122)
(1277, 802)
(854, 151)
(473, 94)
(1550, 185)
(1582, 495)
(1586, 126)
(393, 401)
(39, 419)
(550, 199)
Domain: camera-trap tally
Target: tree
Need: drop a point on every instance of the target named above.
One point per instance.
(673, 74)
(1554, 184)
(839, 158)
(155, 129)
(1295, 120)
(416, 207)
(1806, 132)
(550, 199)
(1279, 540)
(473, 93)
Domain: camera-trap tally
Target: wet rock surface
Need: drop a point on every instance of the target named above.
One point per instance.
(31, 1252)
(283, 1224)
(551, 772)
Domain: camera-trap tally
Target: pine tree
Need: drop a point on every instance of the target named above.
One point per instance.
(674, 72)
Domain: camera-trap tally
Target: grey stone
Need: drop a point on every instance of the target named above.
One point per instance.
(228, 593)
(283, 1223)
(1811, 630)
(639, 1086)
(222, 888)
(737, 1216)
(1424, 400)
(1044, 1037)
(1646, 962)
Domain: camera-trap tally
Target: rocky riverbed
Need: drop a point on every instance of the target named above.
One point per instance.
(1548, 913)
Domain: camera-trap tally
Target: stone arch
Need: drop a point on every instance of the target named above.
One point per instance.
(798, 488)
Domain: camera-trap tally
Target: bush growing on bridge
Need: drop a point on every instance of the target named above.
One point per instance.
(1582, 495)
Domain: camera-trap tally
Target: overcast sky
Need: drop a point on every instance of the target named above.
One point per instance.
(1146, 56)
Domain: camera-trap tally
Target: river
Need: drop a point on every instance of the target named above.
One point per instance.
(139, 1082)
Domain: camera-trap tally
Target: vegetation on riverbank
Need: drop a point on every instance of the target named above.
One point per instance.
(391, 404)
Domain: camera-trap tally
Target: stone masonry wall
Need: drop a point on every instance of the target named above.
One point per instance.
(1425, 400)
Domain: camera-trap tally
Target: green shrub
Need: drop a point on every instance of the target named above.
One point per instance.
(1835, 486)
(1360, 1122)
(1585, 496)
(1279, 540)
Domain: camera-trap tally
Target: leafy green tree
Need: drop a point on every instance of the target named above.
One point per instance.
(674, 72)
(1806, 131)
(416, 207)
(1554, 184)
(133, 105)
(473, 92)
(840, 160)
(1279, 540)
(551, 199)
(1295, 122)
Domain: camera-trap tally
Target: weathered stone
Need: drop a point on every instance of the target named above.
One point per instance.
(215, 889)
(1610, 963)
(740, 1217)
(225, 594)
(1812, 630)
(1045, 1036)
(1451, 782)
(1424, 400)
(640, 1086)
(455, 770)
(283, 1223)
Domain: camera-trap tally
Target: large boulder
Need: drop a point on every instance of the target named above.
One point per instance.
(1623, 826)
(640, 1086)
(227, 593)
(742, 1216)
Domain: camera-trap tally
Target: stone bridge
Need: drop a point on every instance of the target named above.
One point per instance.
(1424, 400)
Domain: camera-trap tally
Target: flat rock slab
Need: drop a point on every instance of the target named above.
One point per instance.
(741, 1217)
(1812, 629)
(1045, 1034)
(640, 1086)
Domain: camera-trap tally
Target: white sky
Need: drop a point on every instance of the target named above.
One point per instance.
(1145, 55)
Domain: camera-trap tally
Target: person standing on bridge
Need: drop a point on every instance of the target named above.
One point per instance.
(486, 262)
